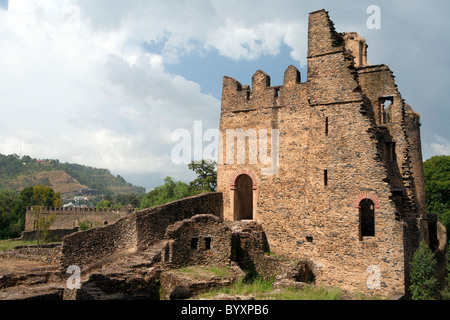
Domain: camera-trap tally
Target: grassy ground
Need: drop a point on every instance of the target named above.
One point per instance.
(260, 288)
(10, 244)
(263, 290)
(197, 272)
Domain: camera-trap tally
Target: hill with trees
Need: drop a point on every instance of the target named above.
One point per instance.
(17, 173)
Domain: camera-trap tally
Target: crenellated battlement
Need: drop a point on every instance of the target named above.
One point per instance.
(237, 97)
(62, 210)
(69, 218)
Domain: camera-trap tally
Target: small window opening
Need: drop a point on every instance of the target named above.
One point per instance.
(390, 151)
(326, 126)
(194, 243)
(367, 218)
(309, 239)
(248, 95)
(325, 178)
(277, 92)
(208, 243)
(386, 105)
(105, 223)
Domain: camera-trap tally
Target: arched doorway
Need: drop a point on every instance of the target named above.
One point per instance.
(243, 198)
(367, 218)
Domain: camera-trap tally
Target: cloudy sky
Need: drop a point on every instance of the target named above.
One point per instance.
(105, 83)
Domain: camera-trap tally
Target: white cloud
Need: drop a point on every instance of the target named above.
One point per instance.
(441, 146)
(77, 83)
(85, 95)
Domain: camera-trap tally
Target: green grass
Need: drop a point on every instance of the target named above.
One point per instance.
(307, 293)
(262, 289)
(198, 272)
(10, 244)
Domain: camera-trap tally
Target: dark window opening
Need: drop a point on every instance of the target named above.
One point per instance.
(208, 243)
(386, 106)
(433, 237)
(248, 95)
(326, 126)
(194, 243)
(390, 151)
(367, 218)
(277, 92)
(309, 239)
(325, 178)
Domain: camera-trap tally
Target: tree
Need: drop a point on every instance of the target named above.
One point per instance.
(424, 284)
(40, 196)
(123, 199)
(437, 187)
(42, 224)
(170, 191)
(104, 204)
(207, 176)
(12, 217)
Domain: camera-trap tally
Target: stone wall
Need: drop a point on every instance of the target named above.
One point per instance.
(69, 218)
(54, 234)
(135, 232)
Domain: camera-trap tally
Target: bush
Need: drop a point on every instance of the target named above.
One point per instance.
(84, 225)
(424, 284)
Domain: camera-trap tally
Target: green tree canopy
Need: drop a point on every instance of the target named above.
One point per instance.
(13, 207)
(40, 196)
(12, 215)
(437, 187)
(170, 191)
(424, 284)
(206, 176)
(104, 204)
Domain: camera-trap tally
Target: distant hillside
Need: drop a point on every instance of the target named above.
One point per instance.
(17, 173)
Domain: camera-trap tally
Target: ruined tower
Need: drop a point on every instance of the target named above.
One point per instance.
(331, 167)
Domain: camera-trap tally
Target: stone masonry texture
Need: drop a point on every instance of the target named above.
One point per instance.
(345, 138)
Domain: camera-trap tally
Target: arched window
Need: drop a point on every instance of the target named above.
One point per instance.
(243, 198)
(367, 218)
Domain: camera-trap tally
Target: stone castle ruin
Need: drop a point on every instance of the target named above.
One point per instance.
(348, 194)
(349, 191)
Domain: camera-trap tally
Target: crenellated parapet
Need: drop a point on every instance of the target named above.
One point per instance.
(241, 98)
(75, 210)
(69, 218)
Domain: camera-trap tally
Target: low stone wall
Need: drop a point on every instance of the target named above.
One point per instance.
(50, 252)
(137, 231)
(86, 247)
(55, 235)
